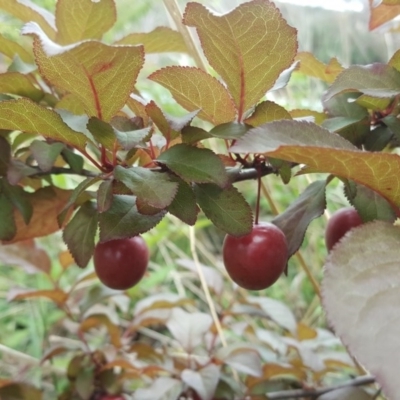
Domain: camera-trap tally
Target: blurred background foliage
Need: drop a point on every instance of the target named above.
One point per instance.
(29, 328)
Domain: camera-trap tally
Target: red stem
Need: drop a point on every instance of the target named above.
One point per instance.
(258, 194)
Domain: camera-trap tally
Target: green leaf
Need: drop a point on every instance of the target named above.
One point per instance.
(153, 188)
(78, 20)
(123, 220)
(79, 234)
(74, 160)
(226, 208)
(345, 105)
(295, 219)
(267, 111)
(378, 80)
(378, 138)
(194, 134)
(5, 155)
(194, 164)
(204, 381)
(129, 140)
(160, 120)
(74, 197)
(102, 131)
(195, 89)
(369, 204)
(46, 153)
(20, 391)
(184, 205)
(18, 84)
(8, 228)
(249, 47)
(159, 40)
(393, 124)
(19, 198)
(101, 77)
(352, 129)
(229, 130)
(373, 103)
(104, 196)
(27, 116)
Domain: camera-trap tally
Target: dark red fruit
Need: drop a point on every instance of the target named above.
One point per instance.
(255, 261)
(121, 263)
(339, 224)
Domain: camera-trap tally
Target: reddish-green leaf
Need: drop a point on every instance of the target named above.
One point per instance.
(78, 20)
(382, 14)
(100, 76)
(19, 198)
(195, 165)
(194, 89)
(229, 130)
(249, 47)
(11, 49)
(132, 139)
(309, 144)
(152, 188)
(28, 11)
(104, 196)
(184, 205)
(56, 295)
(45, 153)
(369, 204)
(102, 131)
(267, 111)
(378, 80)
(20, 85)
(80, 232)
(159, 40)
(123, 220)
(295, 219)
(226, 208)
(160, 120)
(27, 116)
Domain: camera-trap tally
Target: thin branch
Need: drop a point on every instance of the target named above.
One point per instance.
(314, 393)
(66, 171)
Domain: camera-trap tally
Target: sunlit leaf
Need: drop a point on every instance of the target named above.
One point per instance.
(56, 295)
(382, 14)
(194, 89)
(100, 76)
(363, 269)
(203, 381)
(159, 301)
(378, 80)
(188, 328)
(18, 84)
(159, 40)
(195, 164)
(373, 103)
(123, 220)
(102, 131)
(267, 111)
(226, 208)
(27, 116)
(295, 219)
(27, 11)
(78, 20)
(11, 48)
(316, 147)
(47, 204)
(153, 188)
(94, 320)
(311, 66)
(248, 60)
(79, 234)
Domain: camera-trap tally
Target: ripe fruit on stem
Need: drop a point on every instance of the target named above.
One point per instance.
(121, 263)
(339, 224)
(255, 261)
